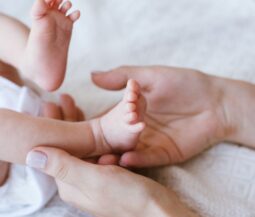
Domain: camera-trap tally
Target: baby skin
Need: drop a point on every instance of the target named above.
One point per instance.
(116, 131)
(122, 125)
(44, 57)
(48, 42)
(44, 60)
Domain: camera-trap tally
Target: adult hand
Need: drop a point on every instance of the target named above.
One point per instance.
(66, 110)
(107, 191)
(185, 113)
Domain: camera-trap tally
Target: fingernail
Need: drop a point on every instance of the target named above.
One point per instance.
(36, 159)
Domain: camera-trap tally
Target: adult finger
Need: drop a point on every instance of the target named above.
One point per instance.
(70, 112)
(155, 149)
(109, 159)
(62, 166)
(116, 79)
(150, 157)
(51, 110)
(81, 115)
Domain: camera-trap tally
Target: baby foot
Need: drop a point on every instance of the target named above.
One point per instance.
(48, 43)
(123, 124)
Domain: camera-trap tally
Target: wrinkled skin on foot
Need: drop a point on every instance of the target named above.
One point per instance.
(47, 48)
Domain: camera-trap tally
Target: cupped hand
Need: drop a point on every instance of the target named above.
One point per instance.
(106, 190)
(185, 113)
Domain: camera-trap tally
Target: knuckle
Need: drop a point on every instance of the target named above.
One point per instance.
(62, 172)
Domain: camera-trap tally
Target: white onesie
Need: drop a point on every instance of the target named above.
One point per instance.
(26, 190)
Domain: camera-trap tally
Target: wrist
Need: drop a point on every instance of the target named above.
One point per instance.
(165, 203)
(237, 107)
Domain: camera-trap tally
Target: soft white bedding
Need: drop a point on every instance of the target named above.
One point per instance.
(215, 36)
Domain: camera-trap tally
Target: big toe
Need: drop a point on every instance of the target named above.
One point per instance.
(39, 9)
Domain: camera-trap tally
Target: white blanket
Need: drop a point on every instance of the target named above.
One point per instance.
(215, 36)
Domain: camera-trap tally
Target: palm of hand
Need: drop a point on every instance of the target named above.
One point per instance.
(183, 118)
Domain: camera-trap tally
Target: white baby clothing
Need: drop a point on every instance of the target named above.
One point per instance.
(26, 190)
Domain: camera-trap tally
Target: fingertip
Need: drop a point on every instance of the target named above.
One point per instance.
(54, 162)
(51, 110)
(109, 159)
(96, 77)
(36, 159)
(46, 158)
(81, 115)
(127, 160)
(110, 80)
(66, 99)
(67, 102)
(69, 108)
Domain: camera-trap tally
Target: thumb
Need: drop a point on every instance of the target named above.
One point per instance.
(116, 79)
(58, 164)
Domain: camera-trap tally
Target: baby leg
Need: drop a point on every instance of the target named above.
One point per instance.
(40, 54)
(48, 42)
(14, 35)
(11, 74)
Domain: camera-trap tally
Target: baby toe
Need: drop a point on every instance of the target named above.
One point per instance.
(65, 7)
(131, 97)
(57, 4)
(130, 107)
(39, 9)
(131, 117)
(74, 16)
(133, 86)
(49, 2)
(137, 128)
